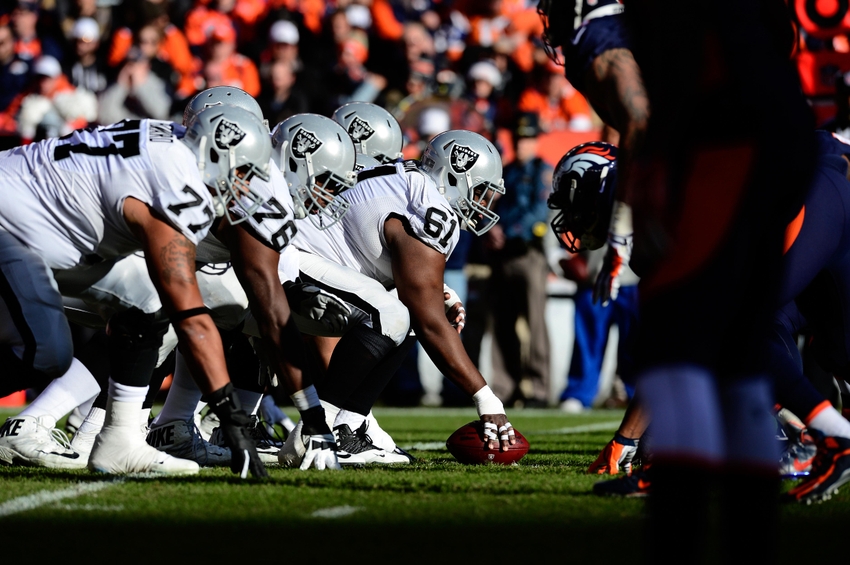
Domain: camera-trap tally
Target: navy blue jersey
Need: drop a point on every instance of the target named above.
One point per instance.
(592, 38)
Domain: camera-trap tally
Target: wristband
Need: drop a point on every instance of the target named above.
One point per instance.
(306, 398)
(623, 440)
(486, 402)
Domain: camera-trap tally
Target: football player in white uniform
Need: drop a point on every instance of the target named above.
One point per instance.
(253, 246)
(103, 193)
(401, 225)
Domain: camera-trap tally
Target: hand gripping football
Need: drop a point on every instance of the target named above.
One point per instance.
(468, 446)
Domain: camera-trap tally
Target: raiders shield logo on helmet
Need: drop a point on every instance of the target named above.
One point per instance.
(360, 130)
(228, 134)
(305, 142)
(463, 158)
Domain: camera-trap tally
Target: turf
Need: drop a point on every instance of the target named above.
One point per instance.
(433, 511)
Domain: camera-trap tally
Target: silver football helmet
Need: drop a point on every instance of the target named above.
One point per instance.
(322, 155)
(374, 130)
(232, 146)
(218, 95)
(363, 161)
(468, 172)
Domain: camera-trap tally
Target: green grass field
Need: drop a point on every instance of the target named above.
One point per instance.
(434, 511)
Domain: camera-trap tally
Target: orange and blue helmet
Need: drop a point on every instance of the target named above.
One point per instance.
(583, 187)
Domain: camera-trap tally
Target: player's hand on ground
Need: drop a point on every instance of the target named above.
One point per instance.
(607, 285)
(243, 452)
(498, 432)
(321, 452)
(615, 457)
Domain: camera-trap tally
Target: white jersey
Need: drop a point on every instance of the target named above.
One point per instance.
(273, 223)
(64, 197)
(398, 191)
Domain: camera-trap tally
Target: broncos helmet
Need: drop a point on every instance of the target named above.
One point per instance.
(375, 131)
(468, 172)
(231, 146)
(218, 95)
(322, 156)
(583, 187)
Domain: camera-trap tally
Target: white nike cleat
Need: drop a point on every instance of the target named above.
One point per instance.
(74, 421)
(183, 440)
(357, 448)
(207, 424)
(26, 440)
(293, 450)
(119, 448)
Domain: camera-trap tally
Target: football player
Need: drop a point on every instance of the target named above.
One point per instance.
(254, 246)
(96, 195)
(598, 61)
(402, 223)
(814, 266)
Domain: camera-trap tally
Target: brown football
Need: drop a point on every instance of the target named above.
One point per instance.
(468, 446)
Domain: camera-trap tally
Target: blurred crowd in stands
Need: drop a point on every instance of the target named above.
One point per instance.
(69, 63)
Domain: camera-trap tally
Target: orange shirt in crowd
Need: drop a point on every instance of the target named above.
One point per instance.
(201, 22)
(313, 11)
(238, 71)
(554, 116)
(174, 49)
(8, 118)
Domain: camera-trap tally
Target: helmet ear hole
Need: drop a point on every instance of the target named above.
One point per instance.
(452, 179)
(213, 156)
(293, 166)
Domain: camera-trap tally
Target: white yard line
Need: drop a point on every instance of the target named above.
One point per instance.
(335, 512)
(45, 497)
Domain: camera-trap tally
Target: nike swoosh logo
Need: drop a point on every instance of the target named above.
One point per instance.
(66, 455)
(343, 455)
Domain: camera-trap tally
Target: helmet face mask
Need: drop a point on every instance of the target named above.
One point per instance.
(231, 147)
(374, 131)
(583, 187)
(468, 172)
(318, 160)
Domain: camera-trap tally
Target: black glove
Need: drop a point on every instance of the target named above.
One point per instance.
(234, 426)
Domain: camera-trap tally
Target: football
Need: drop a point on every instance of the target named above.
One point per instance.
(468, 446)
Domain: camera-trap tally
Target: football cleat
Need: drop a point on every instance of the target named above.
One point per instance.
(267, 446)
(120, 449)
(74, 421)
(183, 440)
(636, 485)
(26, 440)
(293, 450)
(797, 457)
(207, 424)
(830, 470)
(356, 448)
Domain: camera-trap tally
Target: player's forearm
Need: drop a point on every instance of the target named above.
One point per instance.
(201, 345)
(445, 348)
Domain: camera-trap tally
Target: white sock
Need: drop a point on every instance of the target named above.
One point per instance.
(86, 406)
(829, 421)
(64, 394)
(353, 419)
(250, 400)
(127, 393)
(330, 413)
(685, 410)
(183, 396)
(93, 422)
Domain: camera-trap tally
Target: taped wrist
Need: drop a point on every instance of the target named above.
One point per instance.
(226, 405)
(486, 402)
(626, 441)
(314, 422)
